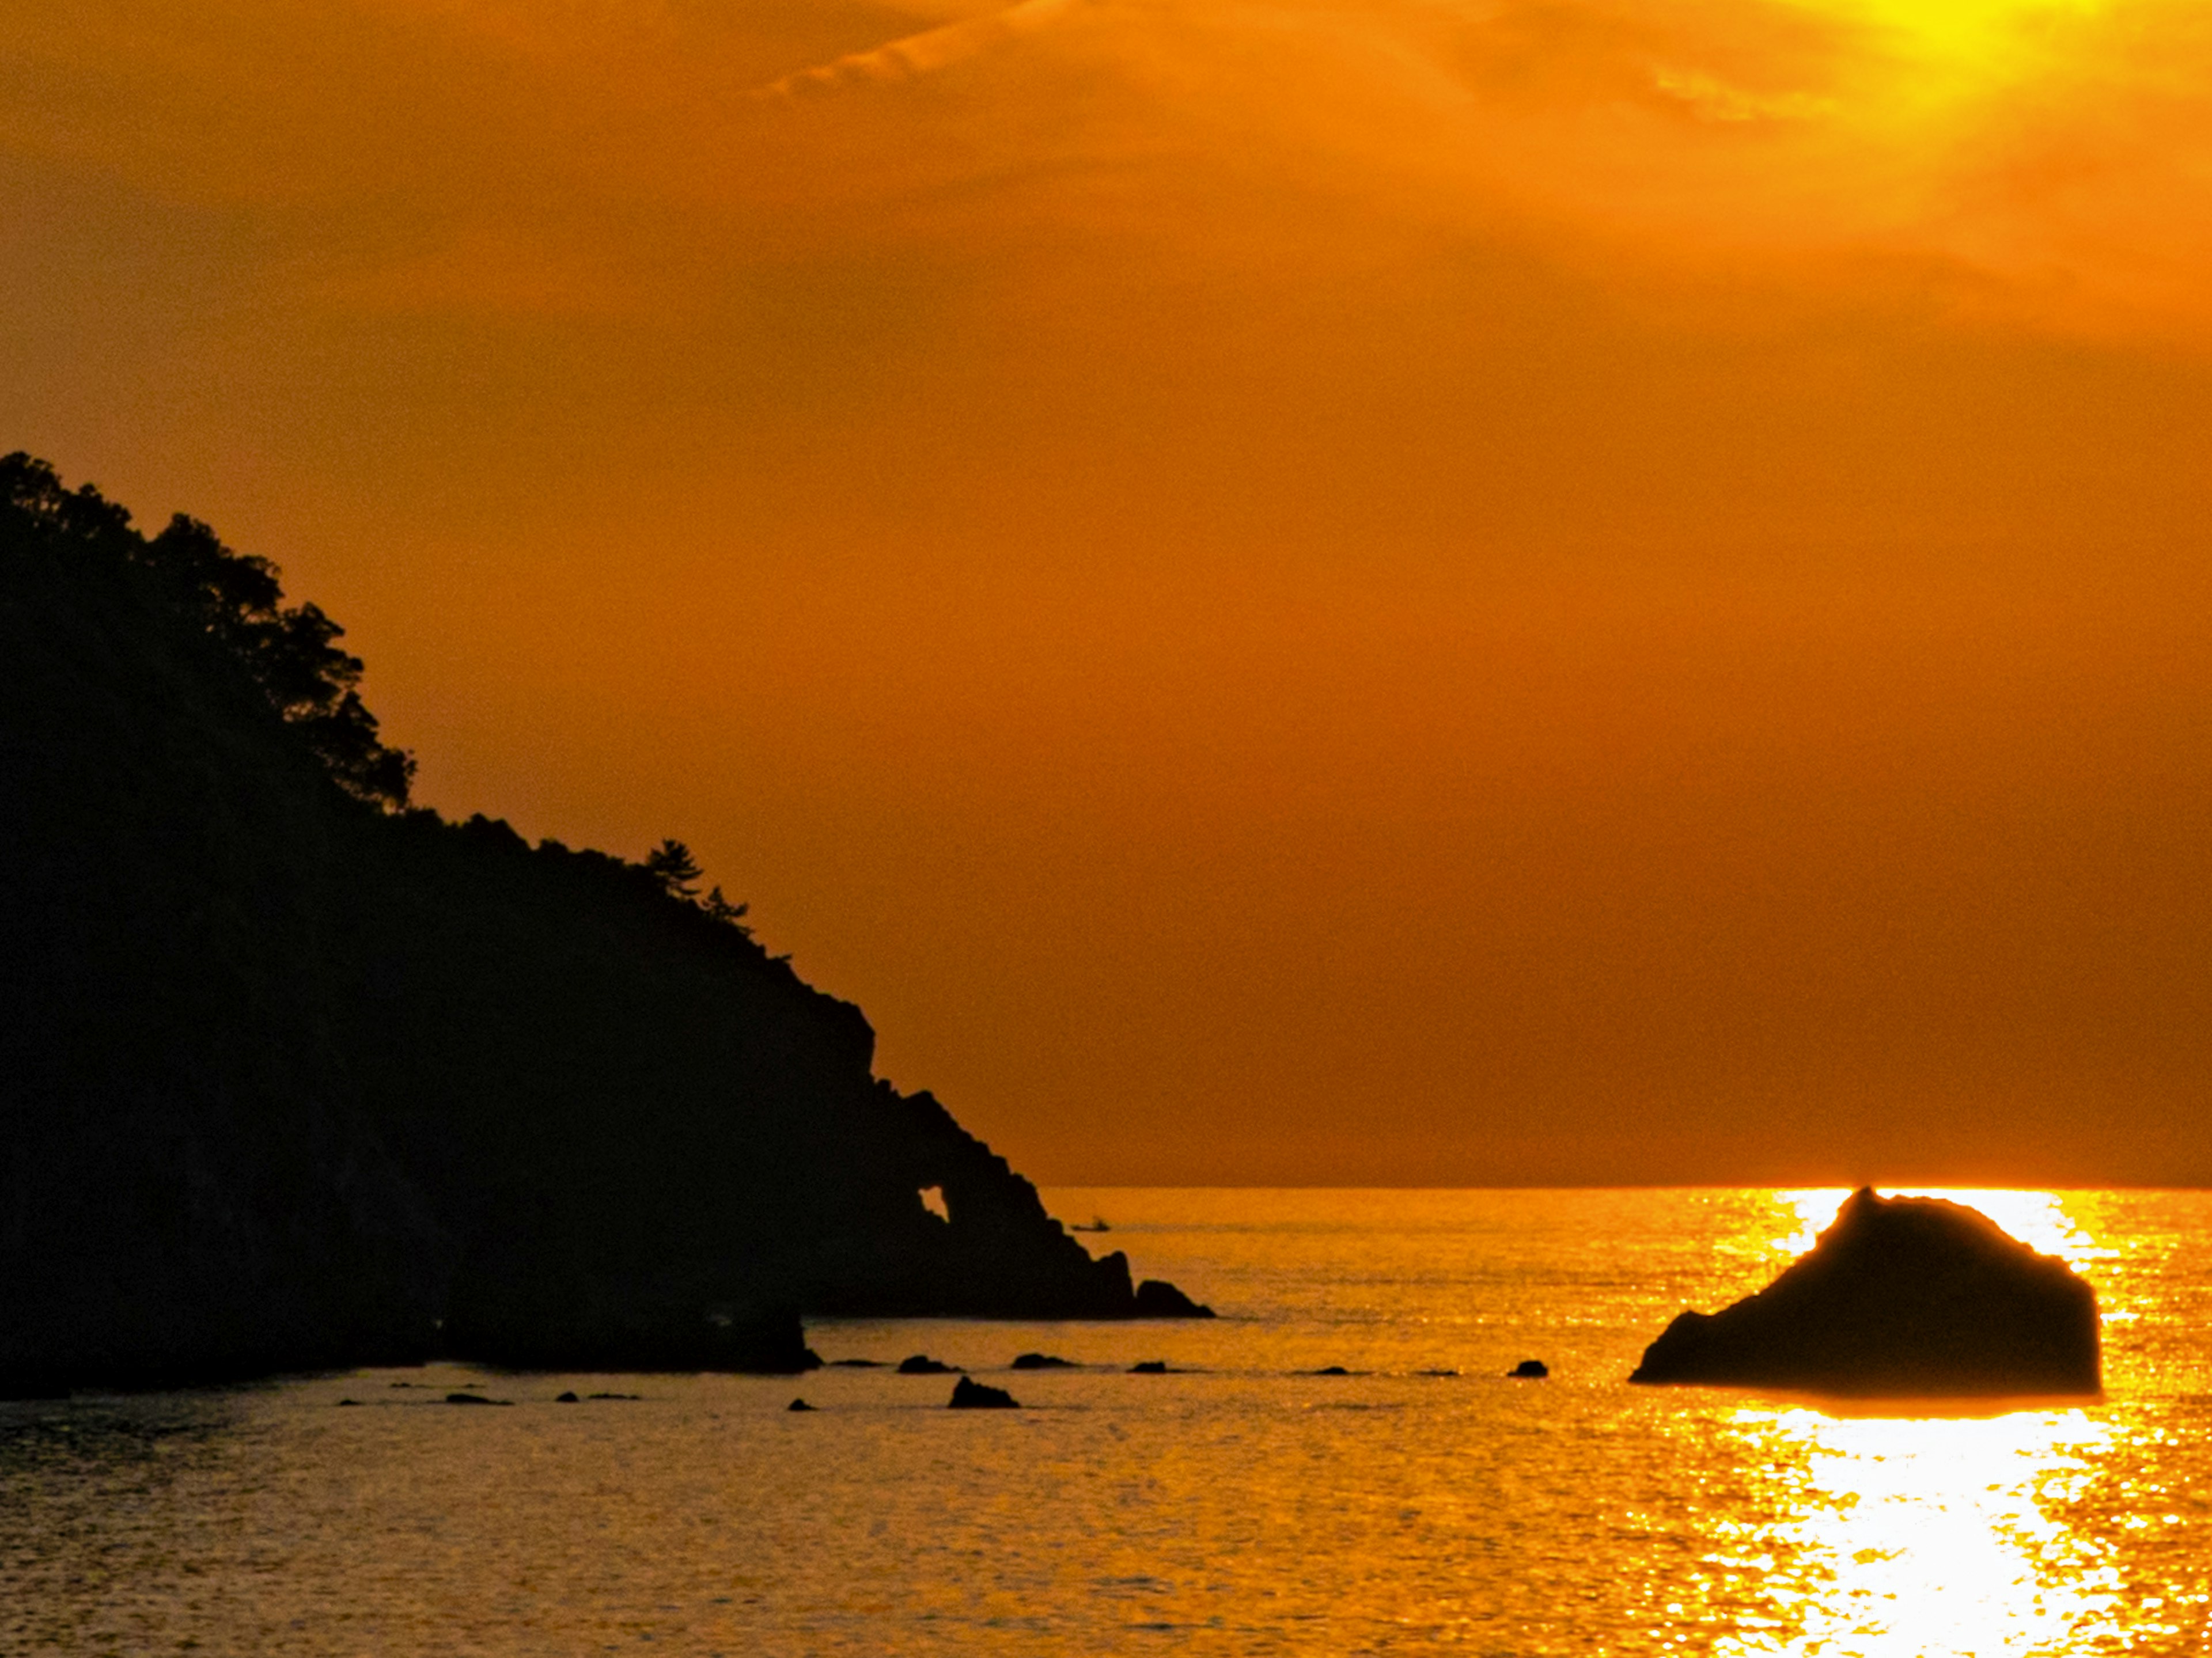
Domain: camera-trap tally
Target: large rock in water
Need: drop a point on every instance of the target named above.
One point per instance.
(1901, 1297)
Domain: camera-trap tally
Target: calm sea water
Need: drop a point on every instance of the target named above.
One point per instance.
(1241, 1505)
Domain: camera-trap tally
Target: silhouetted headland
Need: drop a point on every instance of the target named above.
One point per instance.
(296, 1076)
(1901, 1297)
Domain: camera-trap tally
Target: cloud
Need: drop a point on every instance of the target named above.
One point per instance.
(1484, 270)
(2025, 151)
(925, 52)
(2051, 151)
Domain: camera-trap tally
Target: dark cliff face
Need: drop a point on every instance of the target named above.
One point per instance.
(1901, 1297)
(292, 1076)
(187, 1187)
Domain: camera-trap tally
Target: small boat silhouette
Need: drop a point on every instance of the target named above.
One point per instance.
(1097, 1226)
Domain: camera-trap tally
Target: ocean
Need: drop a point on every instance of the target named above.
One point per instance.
(1243, 1503)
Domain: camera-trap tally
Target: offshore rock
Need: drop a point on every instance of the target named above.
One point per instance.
(1530, 1370)
(1041, 1362)
(1901, 1297)
(969, 1396)
(1156, 1299)
(923, 1364)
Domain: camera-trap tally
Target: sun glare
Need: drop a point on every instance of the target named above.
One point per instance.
(2038, 1220)
(1929, 59)
(1962, 26)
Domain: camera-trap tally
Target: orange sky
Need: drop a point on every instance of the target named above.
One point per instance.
(1349, 592)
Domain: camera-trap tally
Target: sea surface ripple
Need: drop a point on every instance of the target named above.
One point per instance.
(1241, 1503)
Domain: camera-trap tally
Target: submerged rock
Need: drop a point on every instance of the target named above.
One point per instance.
(923, 1364)
(1150, 1367)
(31, 1382)
(1041, 1362)
(976, 1396)
(475, 1399)
(543, 1331)
(567, 1398)
(1901, 1297)
(1530, 1370)
(799, 1405)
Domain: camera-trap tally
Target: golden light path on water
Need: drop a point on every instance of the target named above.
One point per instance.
(1937, 1532)
(1925, 1535)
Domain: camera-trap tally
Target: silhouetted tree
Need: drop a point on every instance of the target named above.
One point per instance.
(728, 914)
(33, 489)
(670, 863)
(292, 655)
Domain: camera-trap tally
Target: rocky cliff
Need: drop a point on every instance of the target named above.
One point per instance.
(293, 1075)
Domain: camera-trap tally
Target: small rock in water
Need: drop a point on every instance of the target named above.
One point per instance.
(1041, 1362)
(349, 1401)
(799, 1405)
(1149, 1367)
(565, 1399)
(629, 1396)
(856, 1364)
(975, 1396)
(1440, 1373)
(475, 1399)
(1330, 1370)
(1158, 1299)
(923, 1364)
(1530, 1370)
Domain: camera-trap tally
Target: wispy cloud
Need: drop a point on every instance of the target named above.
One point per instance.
(925, 52)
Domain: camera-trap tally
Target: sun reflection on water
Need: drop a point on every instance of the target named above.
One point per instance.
(1925, 1535)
